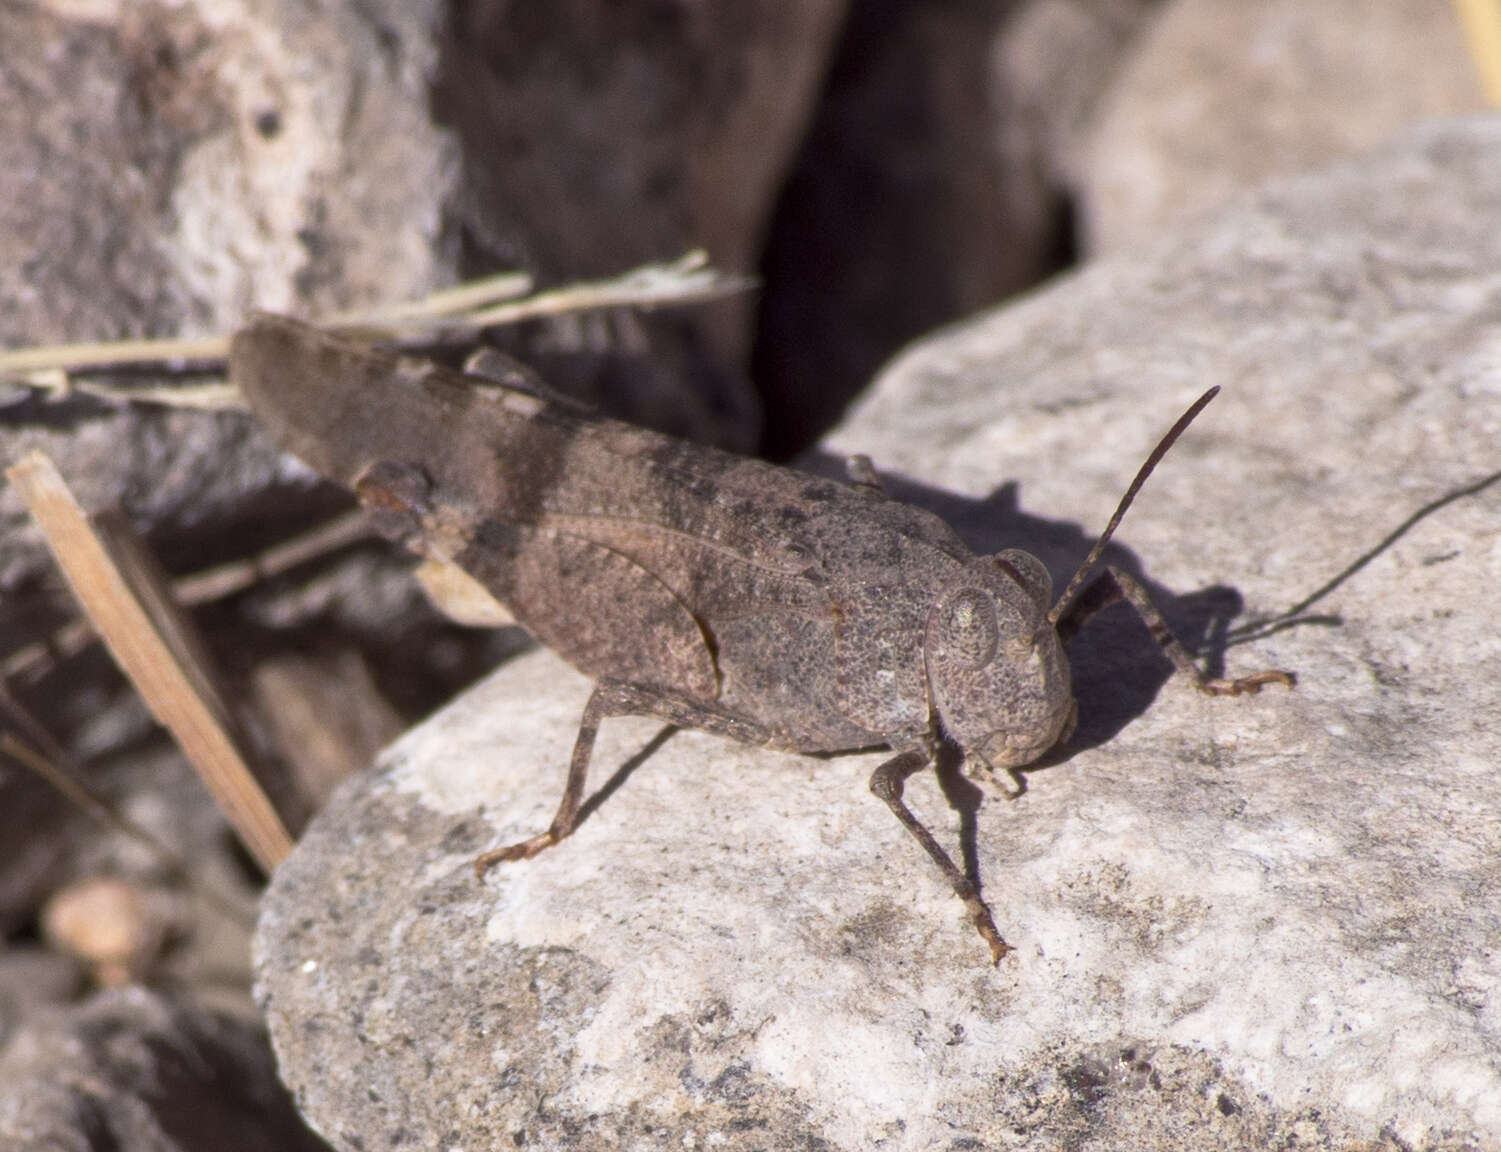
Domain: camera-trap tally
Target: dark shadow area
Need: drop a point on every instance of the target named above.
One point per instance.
(548, 104)
(206, 1095)
(38, 408)
(900, 213)
(965, 798)
(264, 519)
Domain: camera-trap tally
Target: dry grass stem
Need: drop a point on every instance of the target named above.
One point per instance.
(156, 648)
(22, 363)
(461, 298)
(489, 302)
(1481, 21)
(66, 782)
(685, 281)
(58, 772)
(237, 575)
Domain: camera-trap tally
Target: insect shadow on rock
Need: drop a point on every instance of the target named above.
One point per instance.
(704, 589)
(1298, 614)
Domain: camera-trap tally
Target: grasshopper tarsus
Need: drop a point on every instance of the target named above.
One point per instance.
(1245, 685)
(607, 699)
(887, 782)
(998, 947)
(523, 850)
(979, 915)
(1115, 584)
(615, 698)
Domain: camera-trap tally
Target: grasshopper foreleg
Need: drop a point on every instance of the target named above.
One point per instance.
(887, 782)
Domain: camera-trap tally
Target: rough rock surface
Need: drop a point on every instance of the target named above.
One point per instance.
(1266, 922)
(169, 166)
(1221, 95)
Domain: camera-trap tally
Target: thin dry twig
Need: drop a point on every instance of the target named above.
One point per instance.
(32, 659)
(49, 367)
(237, 575)
(25, 363)
(686, 281)
(215, 396)
(156, 648)
(461, 298)
(66, 782)
(466, 308)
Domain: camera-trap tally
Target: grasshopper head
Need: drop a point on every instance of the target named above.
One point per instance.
(997, 674)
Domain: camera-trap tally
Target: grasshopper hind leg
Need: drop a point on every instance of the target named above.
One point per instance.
(617, 698)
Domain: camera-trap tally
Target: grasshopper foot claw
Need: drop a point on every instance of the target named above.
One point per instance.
(979, 914)
(992, 937)
(524, 850)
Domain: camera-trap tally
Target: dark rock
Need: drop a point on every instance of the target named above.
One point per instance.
(133, 1071)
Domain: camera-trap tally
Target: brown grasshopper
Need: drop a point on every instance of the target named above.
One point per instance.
(701, 588)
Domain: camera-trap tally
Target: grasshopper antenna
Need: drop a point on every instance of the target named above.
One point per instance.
(1056, 613)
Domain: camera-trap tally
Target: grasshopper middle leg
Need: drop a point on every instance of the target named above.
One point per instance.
(616, 698)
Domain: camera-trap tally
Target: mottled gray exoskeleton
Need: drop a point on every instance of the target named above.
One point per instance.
(698, 587)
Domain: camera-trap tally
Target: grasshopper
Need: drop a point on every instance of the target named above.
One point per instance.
(701, 588)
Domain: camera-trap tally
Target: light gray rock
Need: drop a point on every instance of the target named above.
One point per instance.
(167, 167)
(1239, 923)
(1221, 95)
(1054, 64)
